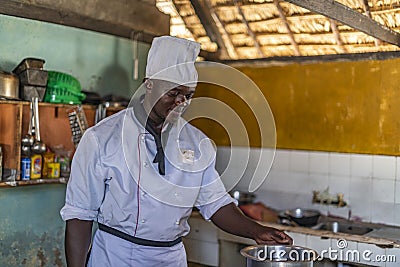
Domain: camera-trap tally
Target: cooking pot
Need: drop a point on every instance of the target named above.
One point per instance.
(279, 256)
(243, 197)
(9, 85)
(303, 217)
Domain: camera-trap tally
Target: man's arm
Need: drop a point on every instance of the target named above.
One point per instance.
(78, 235)
(230, 219)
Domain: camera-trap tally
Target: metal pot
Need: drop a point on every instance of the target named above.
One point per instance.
(243, 197)
(303, 217)
(279, 256)
(9, 85)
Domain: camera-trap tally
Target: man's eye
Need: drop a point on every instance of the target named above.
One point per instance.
(173, 94)
(188, 96)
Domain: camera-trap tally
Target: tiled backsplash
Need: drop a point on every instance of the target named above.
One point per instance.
(370, 183)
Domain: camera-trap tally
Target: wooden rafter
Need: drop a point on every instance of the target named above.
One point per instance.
(338, 38)
(367, 11)
(334, 10)
(287, 26)
(230, 48)
(249, 30)
(204, 15)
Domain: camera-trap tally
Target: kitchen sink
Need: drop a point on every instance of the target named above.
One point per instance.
(343, 227)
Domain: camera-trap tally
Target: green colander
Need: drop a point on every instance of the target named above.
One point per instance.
(63, 88)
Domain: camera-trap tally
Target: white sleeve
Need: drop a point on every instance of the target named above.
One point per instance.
(212, 195)
(85, 188)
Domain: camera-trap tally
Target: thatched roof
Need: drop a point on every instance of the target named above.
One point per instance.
(249, 29)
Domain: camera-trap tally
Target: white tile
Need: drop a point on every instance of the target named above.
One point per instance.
(393, 257)
(361, 207)
(319, 182)
(317, 243)
(299, 161)
(339, 164)
(360, 188)
(382, 212)
(339, 185)
(369, 252)
(397, 192)
(384, 167)
(398, 168)
(383, 190)
(397, 216)
(361, 165)
(276, 180)
(319, 162)
(299, 183)
(281, 161)
(344, 250)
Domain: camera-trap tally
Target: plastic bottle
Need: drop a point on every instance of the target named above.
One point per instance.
(36, 166)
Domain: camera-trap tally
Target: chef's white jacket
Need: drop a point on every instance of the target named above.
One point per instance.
(115, 182)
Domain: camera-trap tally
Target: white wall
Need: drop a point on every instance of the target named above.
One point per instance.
(370, 183)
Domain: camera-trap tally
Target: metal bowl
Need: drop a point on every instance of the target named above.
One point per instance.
(279, 256)
(243, 197)
(303, 217)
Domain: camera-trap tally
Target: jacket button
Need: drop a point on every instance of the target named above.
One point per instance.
(177, 222)
(143, 220)
(145, 164)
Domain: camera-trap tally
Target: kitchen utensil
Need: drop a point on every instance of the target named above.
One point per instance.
(279, 256)
(38, 146)
(303, 217)
(63, 88)
(29, 139)
(29, 63)
(78, 124)
(243, 197)
(9, 85)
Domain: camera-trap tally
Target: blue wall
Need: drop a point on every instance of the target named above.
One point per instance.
(31, 229)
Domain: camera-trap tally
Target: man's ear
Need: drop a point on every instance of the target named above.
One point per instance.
(148, 84)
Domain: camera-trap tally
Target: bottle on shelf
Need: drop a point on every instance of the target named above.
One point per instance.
(36, 166)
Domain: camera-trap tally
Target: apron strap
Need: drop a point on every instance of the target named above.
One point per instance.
(137, 240)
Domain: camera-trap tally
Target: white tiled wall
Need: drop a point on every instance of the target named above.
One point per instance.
(370, 183)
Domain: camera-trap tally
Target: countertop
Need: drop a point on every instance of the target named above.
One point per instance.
(384, 236)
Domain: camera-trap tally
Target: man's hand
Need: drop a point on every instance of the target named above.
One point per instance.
(230, 219)
(271, 236)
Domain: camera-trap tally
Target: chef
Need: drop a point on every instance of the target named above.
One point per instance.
(140, 172)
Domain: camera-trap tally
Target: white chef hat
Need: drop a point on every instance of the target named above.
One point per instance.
(172, 59)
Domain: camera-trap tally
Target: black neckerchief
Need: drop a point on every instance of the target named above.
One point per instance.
(144, 119)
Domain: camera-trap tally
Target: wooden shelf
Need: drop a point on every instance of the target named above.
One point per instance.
(55, 131)
(61, 180)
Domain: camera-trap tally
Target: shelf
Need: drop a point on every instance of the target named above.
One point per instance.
(61, 180)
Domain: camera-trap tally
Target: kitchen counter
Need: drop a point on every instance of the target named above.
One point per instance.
(384, 236)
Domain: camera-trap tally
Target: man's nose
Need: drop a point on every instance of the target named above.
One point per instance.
(180, 99)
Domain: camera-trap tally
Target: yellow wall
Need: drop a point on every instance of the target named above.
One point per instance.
(335, 106)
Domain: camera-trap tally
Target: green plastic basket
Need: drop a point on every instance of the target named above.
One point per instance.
(63, 88)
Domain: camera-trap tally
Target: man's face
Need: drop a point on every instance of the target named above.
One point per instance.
(170, 101)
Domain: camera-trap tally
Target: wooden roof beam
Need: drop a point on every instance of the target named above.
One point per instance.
(344, 14)
(249, 30)
(203, 12)
(367, 10)
(287, 26)
(230, 48)
(338, 38)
